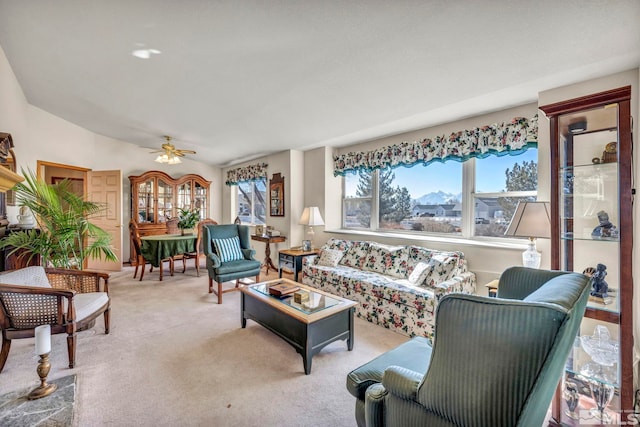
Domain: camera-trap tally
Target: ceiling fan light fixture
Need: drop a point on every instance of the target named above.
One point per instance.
(170, 154)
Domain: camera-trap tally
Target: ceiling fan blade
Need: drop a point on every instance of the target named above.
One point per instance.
(183, 152)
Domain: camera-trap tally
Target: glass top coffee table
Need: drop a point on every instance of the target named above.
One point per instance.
(307, 326)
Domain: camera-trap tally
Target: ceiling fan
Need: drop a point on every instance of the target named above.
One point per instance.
(170, 154)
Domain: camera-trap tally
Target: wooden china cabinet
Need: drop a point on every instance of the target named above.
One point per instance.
(156, 198)
(592, 233)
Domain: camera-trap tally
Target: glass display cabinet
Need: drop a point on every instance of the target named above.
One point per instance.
(592, 233)
(156, 198)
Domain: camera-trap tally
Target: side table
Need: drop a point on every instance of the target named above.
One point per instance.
(268, 240)
(292, 258)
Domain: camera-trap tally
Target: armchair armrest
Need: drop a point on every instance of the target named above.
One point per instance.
(81, 281)
(213, 260)
(402, 382)
(48, 306)
(248, 253)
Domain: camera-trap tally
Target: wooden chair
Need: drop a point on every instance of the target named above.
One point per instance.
(140, 260)
(199, 250)
(68, 300)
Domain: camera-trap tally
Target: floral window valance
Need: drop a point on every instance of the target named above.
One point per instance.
(498, 139)
(246, 174)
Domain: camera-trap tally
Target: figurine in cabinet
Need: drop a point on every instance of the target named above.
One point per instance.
(605, 228)
(599, 287)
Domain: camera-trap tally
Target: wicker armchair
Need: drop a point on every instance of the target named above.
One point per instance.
(68, 300)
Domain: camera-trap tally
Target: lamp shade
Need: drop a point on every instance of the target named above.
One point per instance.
(311, 216)
(531, 219)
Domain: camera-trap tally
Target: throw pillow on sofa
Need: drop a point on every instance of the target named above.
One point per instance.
(444, 267)
(417, 255)
(356, 255)
(338, 244)
(330, 257)
(419, 273)
(388, 260)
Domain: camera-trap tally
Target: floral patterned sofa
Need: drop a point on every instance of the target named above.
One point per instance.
(397, 287)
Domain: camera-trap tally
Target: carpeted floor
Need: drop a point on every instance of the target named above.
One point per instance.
(176, 358)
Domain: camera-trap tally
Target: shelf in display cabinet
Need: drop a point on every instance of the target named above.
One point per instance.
(588, 237)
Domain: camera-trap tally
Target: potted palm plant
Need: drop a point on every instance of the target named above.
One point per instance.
(65, 236)
(188, 218)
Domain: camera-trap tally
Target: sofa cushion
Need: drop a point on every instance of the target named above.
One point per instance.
(388, 260)
(330, 257)
(356, 254)
(29, 276)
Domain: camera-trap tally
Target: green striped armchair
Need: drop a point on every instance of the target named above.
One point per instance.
(495, 361)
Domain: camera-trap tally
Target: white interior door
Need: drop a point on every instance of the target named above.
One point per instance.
(106, 187)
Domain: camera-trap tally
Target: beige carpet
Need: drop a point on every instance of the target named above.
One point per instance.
(176, 358)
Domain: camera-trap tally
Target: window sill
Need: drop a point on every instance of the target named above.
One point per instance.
(514, 244)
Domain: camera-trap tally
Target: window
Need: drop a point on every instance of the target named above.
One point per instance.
(501, 182)
(431, 199)
(252, 198)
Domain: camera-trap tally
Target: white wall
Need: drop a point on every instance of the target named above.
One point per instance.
(38, 135)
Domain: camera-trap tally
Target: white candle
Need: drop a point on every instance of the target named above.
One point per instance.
(43, 339)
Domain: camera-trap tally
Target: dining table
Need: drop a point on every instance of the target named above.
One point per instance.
(162, 246)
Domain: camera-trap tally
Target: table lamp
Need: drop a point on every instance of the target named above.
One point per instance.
(311, 216)
(532, 220)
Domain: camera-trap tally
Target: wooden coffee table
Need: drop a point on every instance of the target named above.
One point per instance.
(307, 328)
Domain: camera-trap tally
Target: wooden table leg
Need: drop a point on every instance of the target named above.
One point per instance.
(268, 262)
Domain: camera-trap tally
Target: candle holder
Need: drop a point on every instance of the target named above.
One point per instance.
(44, 389)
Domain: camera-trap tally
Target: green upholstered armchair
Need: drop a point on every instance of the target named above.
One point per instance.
(229, 255)
(494, 362)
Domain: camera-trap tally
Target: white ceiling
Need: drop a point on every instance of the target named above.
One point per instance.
(239, 79)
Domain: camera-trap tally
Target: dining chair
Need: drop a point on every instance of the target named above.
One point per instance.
(199, 250)
(140, 260)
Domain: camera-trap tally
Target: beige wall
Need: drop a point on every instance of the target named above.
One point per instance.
(38, 135)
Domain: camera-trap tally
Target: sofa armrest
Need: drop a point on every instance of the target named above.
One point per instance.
(464, 283)
(309, 260)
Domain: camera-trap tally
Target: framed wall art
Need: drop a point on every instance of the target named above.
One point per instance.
(276, 195)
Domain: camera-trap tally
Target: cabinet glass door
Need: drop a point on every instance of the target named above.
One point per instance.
(184, 196)
(145, 202)
(200, 198)
(165, 201)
